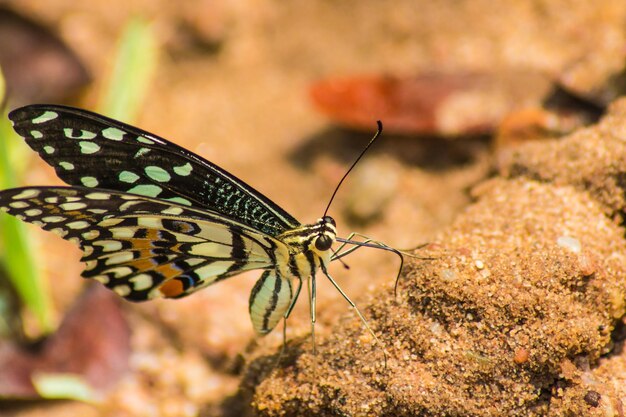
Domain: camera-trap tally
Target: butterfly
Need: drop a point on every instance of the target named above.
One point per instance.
(155, 220)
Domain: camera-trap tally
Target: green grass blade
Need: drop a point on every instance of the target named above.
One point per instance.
(17, 254)
(2, 89)
(133, 70)
(63, 386)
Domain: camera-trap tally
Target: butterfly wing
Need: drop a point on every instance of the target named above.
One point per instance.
(143, 248)
(90, 150)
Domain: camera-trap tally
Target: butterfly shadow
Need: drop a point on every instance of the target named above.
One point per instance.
(253, 374)
(431, 153)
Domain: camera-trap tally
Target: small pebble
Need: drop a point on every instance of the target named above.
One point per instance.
(448, 275)
(570, 243)
(592, 398)
(521, 356)
(587, 265)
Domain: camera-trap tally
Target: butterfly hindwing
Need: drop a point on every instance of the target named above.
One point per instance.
(90, 150)
(139, 247)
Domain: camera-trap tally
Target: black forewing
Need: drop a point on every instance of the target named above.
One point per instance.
(90, 150)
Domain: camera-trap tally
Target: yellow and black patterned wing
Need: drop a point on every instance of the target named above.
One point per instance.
(93, 151)
(143, 248)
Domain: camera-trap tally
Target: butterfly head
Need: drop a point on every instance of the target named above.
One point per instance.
(326, 234)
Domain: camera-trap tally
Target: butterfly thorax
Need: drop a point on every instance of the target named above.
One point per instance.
(311, 241)
(305, 248)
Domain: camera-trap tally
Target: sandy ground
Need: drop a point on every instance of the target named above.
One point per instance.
(519, 311)
(515, 316)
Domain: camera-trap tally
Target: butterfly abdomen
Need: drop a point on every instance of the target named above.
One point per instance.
(269, 300)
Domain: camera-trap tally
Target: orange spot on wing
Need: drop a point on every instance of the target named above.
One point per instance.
(168, 270)
(147, 262)
(75, 214)
(143, 264)
(146, 242)
(172, 288)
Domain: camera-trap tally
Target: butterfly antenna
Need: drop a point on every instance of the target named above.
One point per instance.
(378, 132)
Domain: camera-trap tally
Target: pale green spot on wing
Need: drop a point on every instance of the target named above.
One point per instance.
(157, 173)
(36, 134)
(47, 116)
(88, 148)
(141, 152)
(183, 170)
(120, 271)
(87, 250)
(195, 261)
(103, 279)
(148, 190)
(179, 200)
(98, 196)
(68, 166)
(127, 176)
(59, 232)
(119, 232)
(109, 245)
(213, 269)
(73, 206)
(122, 290)
(53, 219)
(125, 206)
(110, 222)
(89, 182)
(211, 249)
(119, 258)
(113, 133)
(144, 140)
(33, 212)
(84, 134)
(90, 234)
(141, 282)
(26, 194)
(172, 211)
(49, 149)
(77, 225)
(150, 222)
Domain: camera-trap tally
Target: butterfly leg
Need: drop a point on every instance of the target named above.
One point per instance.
(283, 348)
(311, 286)
(358, 312)
(285, 317)
(294, 299)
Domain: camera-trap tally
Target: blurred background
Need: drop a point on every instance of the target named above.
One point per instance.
(284, 95)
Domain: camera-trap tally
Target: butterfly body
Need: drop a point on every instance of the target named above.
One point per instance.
(156, 221)
(297, 258)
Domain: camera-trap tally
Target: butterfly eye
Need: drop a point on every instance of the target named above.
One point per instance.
(328, 219)
(323, 243)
